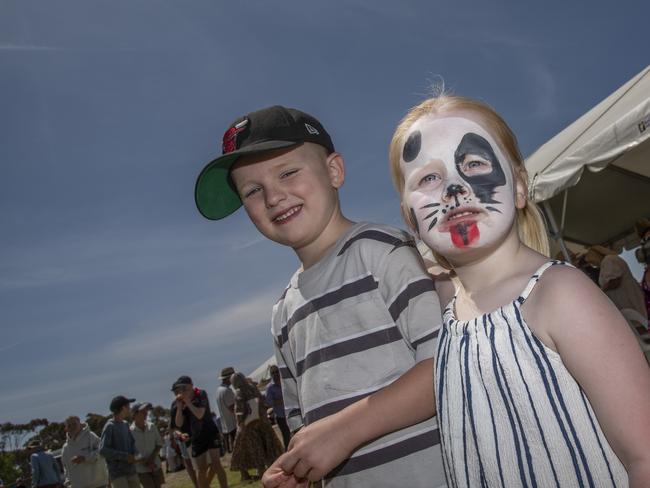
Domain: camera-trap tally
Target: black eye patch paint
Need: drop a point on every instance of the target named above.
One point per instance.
(412, 146)
(483, 185)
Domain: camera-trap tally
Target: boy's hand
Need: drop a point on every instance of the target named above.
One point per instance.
(317, 449)
(275, 477)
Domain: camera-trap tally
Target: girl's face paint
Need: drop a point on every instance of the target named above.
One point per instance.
(458, 185)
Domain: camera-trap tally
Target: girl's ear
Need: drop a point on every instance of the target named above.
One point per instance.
(336, 169)
(521, 188)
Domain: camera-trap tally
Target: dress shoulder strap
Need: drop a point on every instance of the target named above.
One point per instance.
(536, 276)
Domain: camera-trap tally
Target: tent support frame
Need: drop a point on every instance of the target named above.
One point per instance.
(556, 233)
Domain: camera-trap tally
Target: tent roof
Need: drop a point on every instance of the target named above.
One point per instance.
(616, 131)
(612, 140)
(262, 371)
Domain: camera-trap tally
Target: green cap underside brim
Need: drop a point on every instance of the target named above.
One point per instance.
(215, 198)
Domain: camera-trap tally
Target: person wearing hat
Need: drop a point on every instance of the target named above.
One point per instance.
(359, 312)
(190, 413)
(148, 443)
(642, 254)
(82, 464)
(45, 470)
(118, 446)
(226, 407)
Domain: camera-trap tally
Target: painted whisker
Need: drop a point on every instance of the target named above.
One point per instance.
(492, 209)
(430, 205)
(431, 214)
(433, 222)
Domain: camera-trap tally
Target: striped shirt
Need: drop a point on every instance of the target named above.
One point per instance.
(510, 412)
(350, 325)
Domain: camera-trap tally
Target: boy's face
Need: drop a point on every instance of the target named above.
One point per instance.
(291, 195)
(459, 186)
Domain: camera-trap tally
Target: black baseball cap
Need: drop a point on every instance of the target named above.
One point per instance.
(118, 402)
(264, 130)
(182, 380)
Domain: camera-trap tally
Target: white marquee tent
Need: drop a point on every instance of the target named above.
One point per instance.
(611, 141)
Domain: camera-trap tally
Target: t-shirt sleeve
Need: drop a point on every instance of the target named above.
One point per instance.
(412, 301)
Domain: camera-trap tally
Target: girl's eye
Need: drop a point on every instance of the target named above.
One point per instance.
(429, 179)
(476, 167)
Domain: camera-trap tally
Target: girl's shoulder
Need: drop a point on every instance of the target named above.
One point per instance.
(563, 283)
(566, 301)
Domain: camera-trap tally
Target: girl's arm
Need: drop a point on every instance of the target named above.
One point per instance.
(317, 449)
(601, 352)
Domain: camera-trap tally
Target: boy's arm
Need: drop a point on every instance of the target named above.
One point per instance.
(317, 449)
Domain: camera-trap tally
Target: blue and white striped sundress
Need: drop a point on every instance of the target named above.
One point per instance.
(510, 413)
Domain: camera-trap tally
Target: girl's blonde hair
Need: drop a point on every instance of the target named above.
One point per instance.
(530, 222)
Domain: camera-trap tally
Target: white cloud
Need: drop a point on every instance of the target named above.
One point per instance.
(221, 326)
(25, 47)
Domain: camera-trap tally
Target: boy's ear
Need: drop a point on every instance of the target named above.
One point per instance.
(335, 169)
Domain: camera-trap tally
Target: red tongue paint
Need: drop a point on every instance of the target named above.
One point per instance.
(463, 234)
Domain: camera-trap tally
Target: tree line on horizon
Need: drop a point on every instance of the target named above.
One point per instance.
(14, 437)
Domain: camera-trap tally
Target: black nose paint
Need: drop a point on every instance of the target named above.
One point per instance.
(412, 146)
(483, 185)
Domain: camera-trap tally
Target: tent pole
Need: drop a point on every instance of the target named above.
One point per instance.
(555, 232)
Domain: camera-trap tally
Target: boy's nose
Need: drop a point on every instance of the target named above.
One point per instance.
(273, 196)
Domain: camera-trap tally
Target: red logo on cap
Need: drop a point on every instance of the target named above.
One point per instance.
(229, 142)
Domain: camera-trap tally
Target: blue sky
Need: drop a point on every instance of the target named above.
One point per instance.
(110, 281)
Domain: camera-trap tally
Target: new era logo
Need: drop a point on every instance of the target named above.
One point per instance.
(311, 130)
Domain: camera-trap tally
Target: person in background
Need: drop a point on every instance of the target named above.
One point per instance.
(148, 443)
(643, 256)
(183, 442)
(226, 407)
(616, 280)
(172, 453)
(274, 400)
(118, 446)
(256, 445)
(191, 414)
(82, 464)
(45, 469)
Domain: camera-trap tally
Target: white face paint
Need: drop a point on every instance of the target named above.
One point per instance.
(458, 185)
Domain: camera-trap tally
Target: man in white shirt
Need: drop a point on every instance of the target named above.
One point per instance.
(226, 406)
(148, 443)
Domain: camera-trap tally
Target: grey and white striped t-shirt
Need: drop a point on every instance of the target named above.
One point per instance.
(350, 325)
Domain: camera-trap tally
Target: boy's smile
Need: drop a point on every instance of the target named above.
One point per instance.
(291, 196)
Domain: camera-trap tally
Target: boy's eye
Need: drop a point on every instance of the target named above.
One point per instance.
(288, 173)
(251, 192)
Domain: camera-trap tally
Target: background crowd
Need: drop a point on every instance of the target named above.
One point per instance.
(138, 443)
